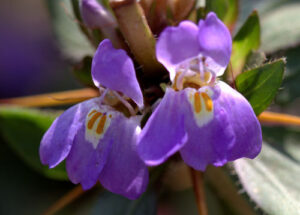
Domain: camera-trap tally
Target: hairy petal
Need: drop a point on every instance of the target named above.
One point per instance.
(57, 141)
(114, 69)
(125, 173)
(215, 43)
(177, 44)
(164, 132)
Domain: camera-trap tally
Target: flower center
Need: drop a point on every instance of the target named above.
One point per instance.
(97, 123)
(193, 73)
(201, 103)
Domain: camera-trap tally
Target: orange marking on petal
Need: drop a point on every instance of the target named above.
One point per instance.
(91, 113)
(93, 120)
(101, 125)
(110, 116)
(197, 102)
(207, 101)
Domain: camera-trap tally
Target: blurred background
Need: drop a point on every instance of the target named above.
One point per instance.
(30, 61)
(34, 60)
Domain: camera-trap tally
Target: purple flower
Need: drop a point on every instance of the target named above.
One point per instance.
(98, 142)
(203, 118)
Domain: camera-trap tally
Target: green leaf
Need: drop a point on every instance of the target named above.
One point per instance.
(227, 10)
(72, 41)
(260, 85)
(281, 27)
(24, 191)
(23, 130)
(246, 40)
(271, 180)
(82, 71)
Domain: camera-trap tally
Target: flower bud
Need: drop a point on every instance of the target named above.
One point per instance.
(95, 16)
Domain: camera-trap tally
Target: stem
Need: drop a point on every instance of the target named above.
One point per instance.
(125, 103)
(278, 118)
(75, 96)
(136, 31)
(52, 99)
(65, 200)
(197, 180)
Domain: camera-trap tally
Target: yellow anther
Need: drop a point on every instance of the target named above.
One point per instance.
(207, 101)
(197, 102)
(101, 125)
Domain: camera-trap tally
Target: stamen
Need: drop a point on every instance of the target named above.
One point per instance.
(101, 99)
(207, 76)
(179, 81)
(207, 101)
(129, 107)
(101, 124)
(197, 102)
(93, 120)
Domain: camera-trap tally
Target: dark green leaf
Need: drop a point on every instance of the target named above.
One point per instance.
(23, 191)
(260, 85)
(82, 71)
(245, 41)
(290, 87)
(271, 180)
(227, 10)
(279, 22)
(23, 130)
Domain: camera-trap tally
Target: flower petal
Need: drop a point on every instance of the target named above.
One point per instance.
(57, 141)
(125, 173)
(92, 145)
(215, 43)
(248, 135)
(234, 131)
(177, 44)
(84, 162)
(114, 69)
(164, 132)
